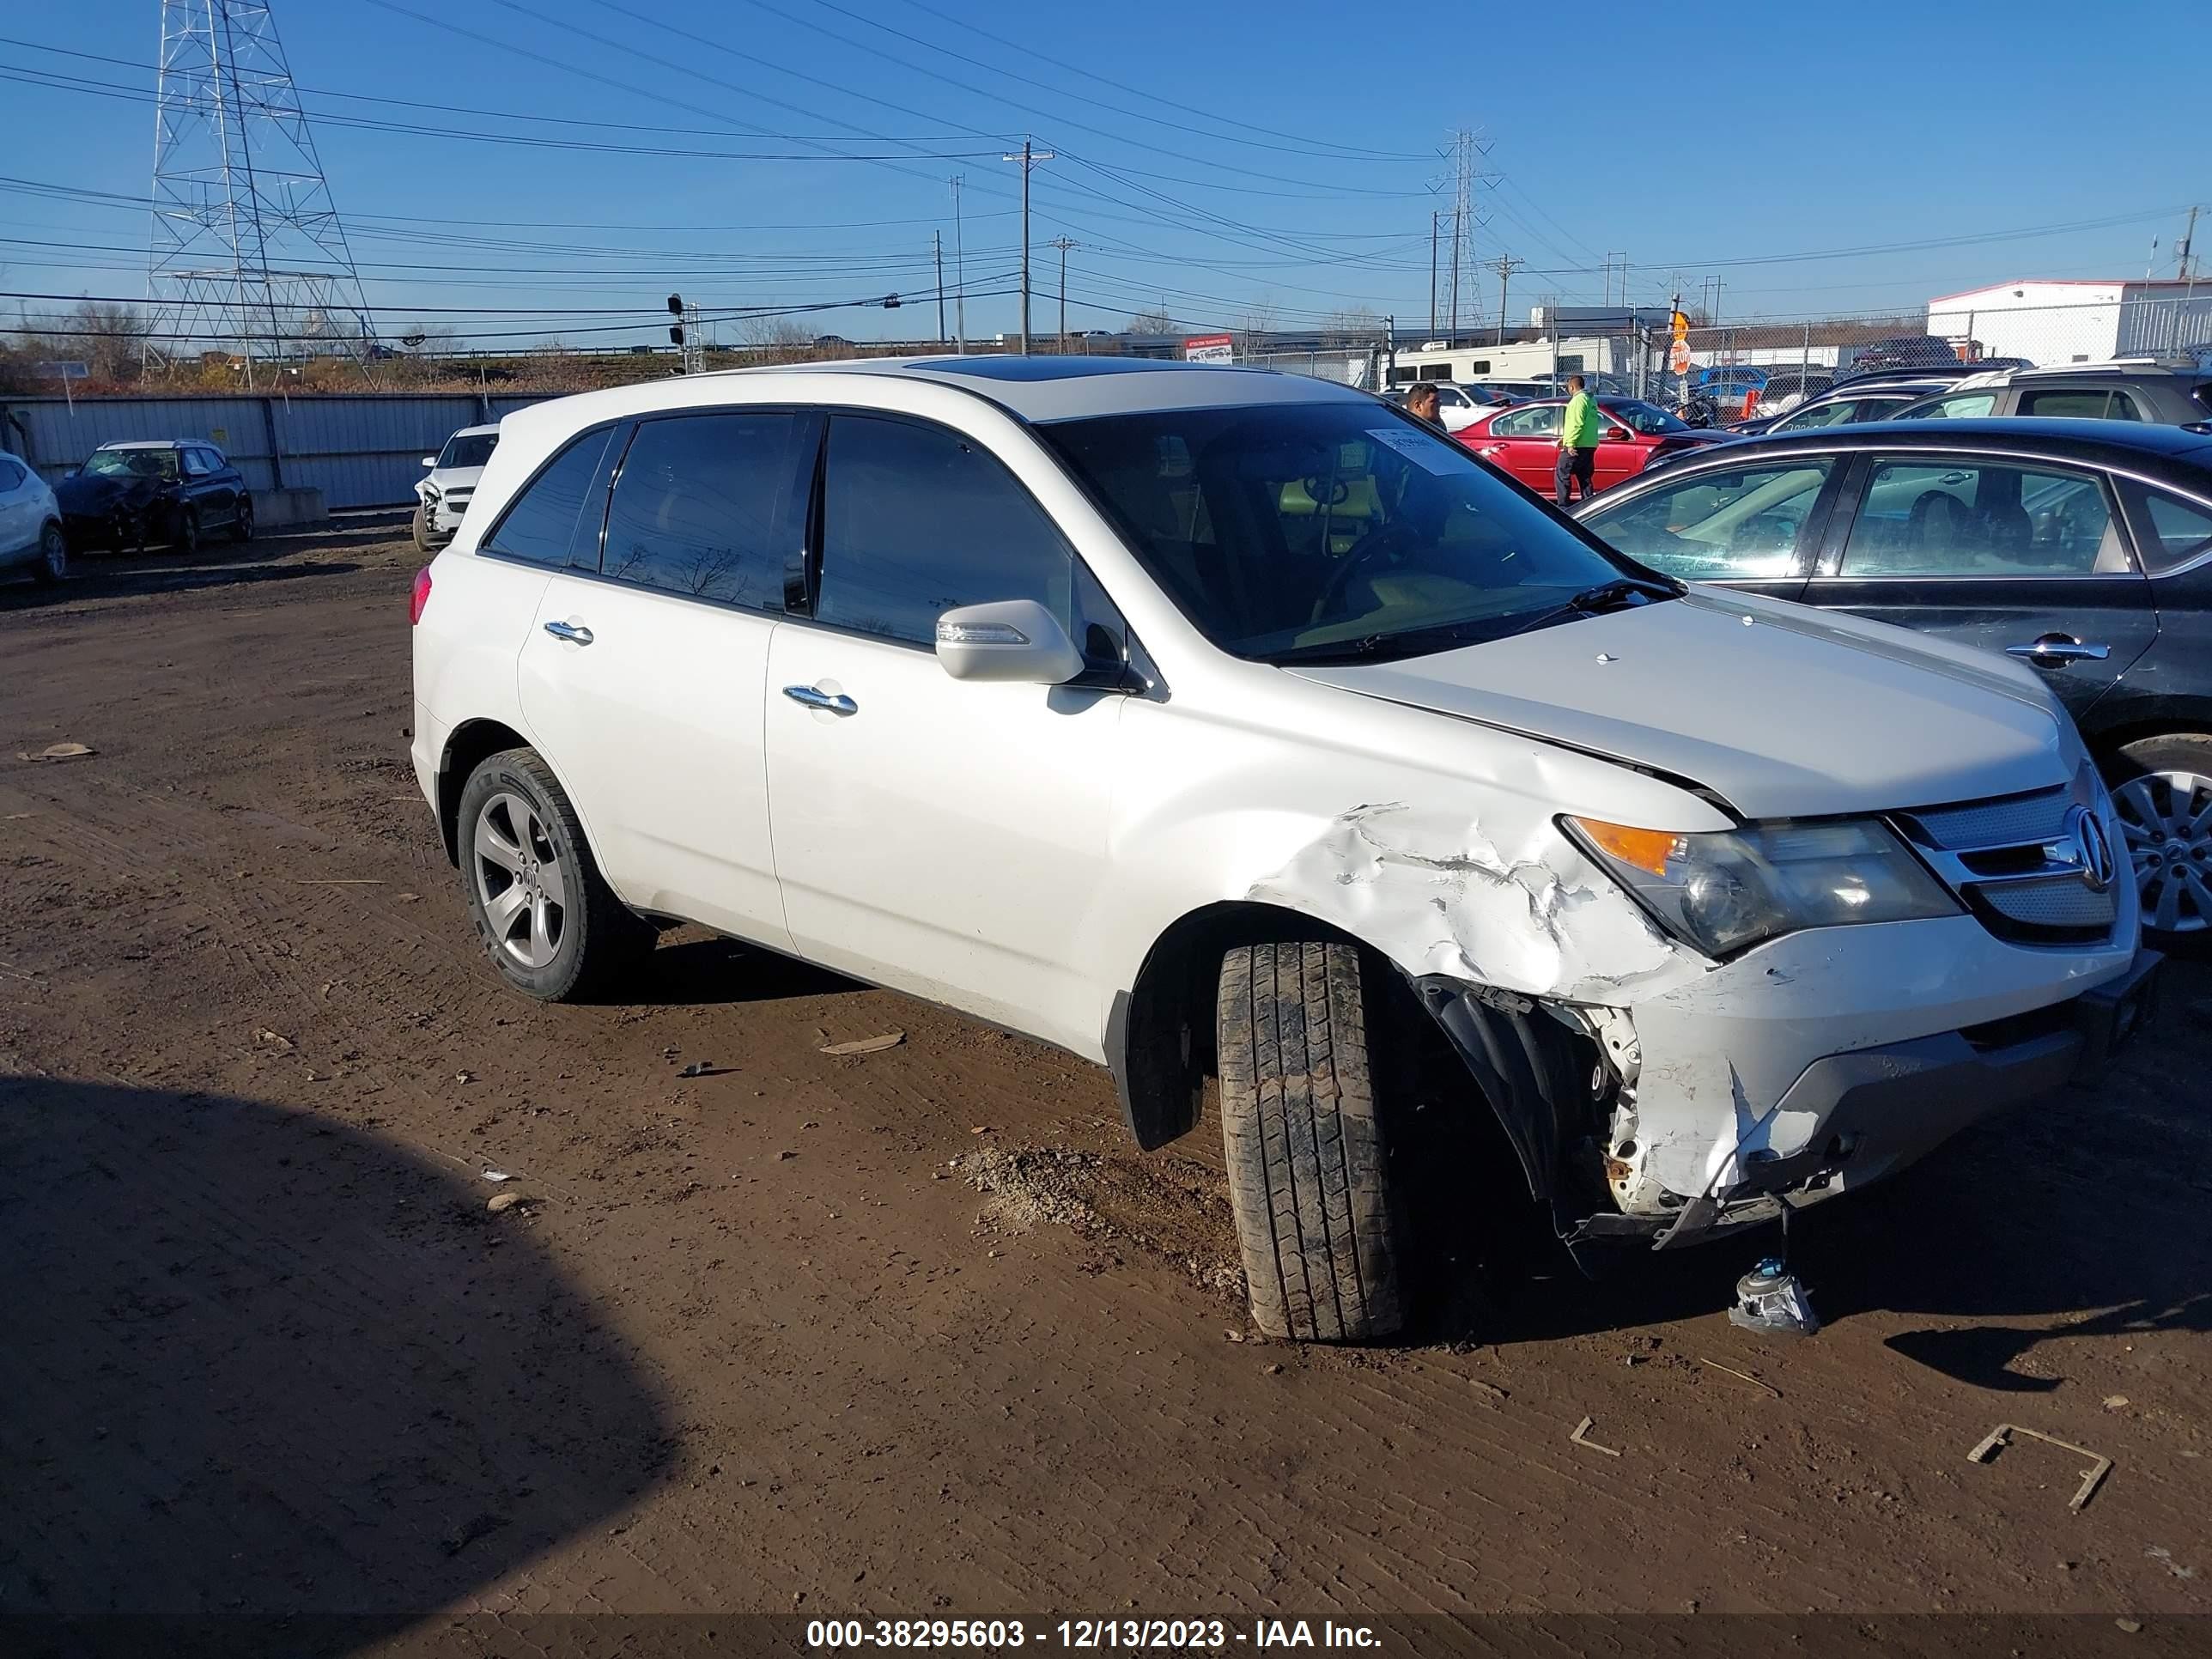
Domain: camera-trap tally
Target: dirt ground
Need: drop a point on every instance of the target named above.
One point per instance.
(911, 1332)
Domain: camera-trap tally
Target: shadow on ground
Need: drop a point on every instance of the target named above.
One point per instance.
(95, 583)
(687, 971)
(261, 1366)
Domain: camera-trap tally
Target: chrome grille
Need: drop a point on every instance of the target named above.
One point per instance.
(2061, 901)
(1990, 823)
(2016, 865)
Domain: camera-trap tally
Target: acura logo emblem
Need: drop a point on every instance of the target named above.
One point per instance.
(2086, 848)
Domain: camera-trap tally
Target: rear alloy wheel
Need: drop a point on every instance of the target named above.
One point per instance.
(241, 527)
(553, 928)
(2162, 787)
(53, 556)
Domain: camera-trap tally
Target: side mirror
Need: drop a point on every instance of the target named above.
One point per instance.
(429, 460)
(1016, 640)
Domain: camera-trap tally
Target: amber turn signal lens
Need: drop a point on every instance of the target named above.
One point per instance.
(1646, 849)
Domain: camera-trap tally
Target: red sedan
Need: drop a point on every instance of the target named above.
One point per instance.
(1524, 439)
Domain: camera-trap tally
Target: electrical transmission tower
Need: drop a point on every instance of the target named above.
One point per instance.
(246, 252)
(1467, 150)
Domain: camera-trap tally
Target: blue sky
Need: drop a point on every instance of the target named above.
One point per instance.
(1229, 161)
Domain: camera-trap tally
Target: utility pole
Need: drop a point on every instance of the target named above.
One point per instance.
(1436, 219)
(959, 270)
(937, 253)
(1504, 265)
(1063, 243)
(1028, 158)
(2187, 237)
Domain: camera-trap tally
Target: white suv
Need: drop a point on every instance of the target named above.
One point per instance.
(1205, 722)
(443, 492)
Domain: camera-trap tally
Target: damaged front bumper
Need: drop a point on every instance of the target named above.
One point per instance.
(1811, 1066)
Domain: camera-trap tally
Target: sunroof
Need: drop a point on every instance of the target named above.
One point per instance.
(1044, 369)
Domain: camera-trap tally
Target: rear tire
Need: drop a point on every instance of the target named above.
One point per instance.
(53, 558)
(1316, 1219)
(2162, 787)
(552, 926)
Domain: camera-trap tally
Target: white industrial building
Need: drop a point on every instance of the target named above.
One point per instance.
(2072, 321)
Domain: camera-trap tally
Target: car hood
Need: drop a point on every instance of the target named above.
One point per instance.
(456, 477)
(92, 492)
(1783, 710)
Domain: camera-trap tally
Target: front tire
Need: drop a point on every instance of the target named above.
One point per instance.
(53, 556)
(2162, 789)
(241, 526)
(1316, 1218)
(425, 543)
(186, 539)
(553, 928)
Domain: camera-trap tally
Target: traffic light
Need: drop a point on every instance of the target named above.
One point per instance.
(676, 309)
(675, 335)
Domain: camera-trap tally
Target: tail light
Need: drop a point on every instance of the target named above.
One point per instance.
(420, 598)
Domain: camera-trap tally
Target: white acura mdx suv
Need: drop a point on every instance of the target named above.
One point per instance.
(1212, 723)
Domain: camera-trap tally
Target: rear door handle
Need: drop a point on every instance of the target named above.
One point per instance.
(835, 702)
(2056, 650)
(574, 633)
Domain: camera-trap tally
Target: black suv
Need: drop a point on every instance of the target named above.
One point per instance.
(2082, 548)
(2170, 393)
(128, 494)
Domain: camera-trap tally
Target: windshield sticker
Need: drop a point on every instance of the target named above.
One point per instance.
(1419, 450)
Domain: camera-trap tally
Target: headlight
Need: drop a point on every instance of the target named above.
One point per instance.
(1726, 891)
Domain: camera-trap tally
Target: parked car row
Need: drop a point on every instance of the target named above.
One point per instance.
(2083, 549)
(126, 495)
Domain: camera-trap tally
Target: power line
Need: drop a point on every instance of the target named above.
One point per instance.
(1120, 86)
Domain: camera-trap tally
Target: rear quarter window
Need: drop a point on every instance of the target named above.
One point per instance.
(542, 525)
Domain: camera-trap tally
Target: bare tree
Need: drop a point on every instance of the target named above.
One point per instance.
(108, 338)
(1155, 321)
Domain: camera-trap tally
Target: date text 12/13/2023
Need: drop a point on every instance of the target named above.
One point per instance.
(1081, 1634)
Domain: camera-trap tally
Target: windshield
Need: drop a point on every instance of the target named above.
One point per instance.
(1294, 532)
(132, 464)
(467, 449)
(1647, 418)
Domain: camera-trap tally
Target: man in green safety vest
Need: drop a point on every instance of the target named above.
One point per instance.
(1579, 424)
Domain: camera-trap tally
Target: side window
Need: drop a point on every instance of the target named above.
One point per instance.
(2179, 531)
(1974, 519)
(542, 522)
(696, 504)
(11, 476)
(195, 466)
(2123, 409)
(2071, 406)
(1741, 524)
(917, 520)
(1540, 420)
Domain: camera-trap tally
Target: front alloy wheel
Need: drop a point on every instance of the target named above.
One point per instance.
(521, 881)
(2167, 819)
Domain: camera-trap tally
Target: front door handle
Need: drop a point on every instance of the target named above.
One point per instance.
(2056, 650)
(574, 633)
(835, 702)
